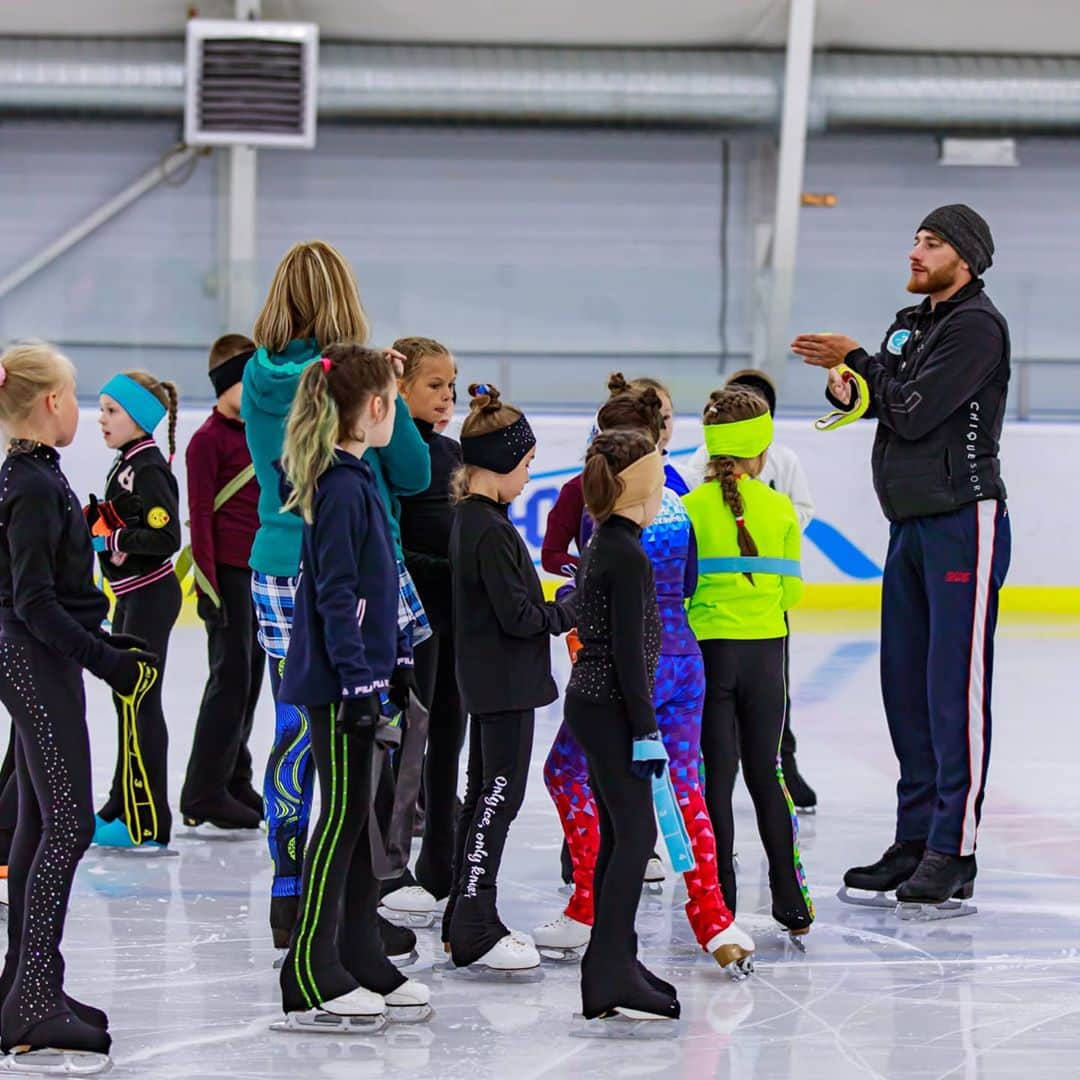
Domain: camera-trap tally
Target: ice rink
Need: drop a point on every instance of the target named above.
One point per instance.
(178, 951)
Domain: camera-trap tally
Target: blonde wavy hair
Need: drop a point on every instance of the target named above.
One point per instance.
(313, 294)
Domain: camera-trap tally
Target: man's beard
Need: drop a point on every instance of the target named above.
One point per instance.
(933, 281)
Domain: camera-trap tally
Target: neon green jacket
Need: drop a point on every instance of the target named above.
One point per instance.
(725, 604)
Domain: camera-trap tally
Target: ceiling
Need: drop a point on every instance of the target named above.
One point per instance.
(1050, 27)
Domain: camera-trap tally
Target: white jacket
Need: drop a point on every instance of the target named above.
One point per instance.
(783, 471)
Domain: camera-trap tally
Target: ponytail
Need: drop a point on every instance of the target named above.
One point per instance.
(331, 393)
(168, 395)
(609, 454)
(729, 484)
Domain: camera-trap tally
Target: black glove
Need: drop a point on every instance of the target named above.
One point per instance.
(212, 614)
(127, 672)
(402, 683)
(357, 717)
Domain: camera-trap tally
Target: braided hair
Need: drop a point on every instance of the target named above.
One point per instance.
(725, 407)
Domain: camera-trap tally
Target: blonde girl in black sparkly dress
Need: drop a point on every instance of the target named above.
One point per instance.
(50, 630)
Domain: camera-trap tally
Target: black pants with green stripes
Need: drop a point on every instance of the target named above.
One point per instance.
(336, 946)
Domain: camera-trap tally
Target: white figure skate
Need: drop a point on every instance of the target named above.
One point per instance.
(655, 876)
(511, 959)
(562, 941)
(410, 1003)
(359, 1012)
(733, 950)
(412, 906)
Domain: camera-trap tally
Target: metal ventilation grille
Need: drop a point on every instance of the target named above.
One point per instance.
(251, 83)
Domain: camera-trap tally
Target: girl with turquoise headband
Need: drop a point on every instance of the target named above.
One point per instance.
(749, 575)
(135, 529)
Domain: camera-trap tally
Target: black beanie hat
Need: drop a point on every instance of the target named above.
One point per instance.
(960, 226)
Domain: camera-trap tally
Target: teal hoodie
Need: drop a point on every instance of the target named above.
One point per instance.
(270, 380)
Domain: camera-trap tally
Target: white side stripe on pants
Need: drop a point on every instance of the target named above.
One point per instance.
(986, 525)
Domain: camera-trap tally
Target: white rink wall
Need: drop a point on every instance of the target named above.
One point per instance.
(1038, 461)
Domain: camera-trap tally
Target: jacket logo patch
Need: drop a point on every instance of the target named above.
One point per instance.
(126, 479)
(897, 340)
(157, 517)
(958, 577)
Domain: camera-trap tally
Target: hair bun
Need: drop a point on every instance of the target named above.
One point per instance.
(485, 397)
(617, 383)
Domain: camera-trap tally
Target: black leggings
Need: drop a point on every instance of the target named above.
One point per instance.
(44, 694)
(610, 974)
(220, 760)
(500, 745)
(435, 672)
(742, 719)
(148, 613)
(336, 946)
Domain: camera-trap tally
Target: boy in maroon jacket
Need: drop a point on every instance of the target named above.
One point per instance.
(222, 500)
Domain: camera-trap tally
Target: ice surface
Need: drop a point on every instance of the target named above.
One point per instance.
(179, 953)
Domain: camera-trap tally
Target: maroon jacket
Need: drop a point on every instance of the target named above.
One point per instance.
(216, 453)
(563, 529)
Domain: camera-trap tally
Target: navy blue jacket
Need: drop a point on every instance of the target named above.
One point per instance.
(345, 641)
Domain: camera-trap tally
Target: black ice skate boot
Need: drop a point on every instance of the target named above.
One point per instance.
(898, 863)
(222, 817)
(935, 888)
(802, 794)
(399, 943)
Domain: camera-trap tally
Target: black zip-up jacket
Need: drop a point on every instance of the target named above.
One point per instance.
(618, 624)
(426, 521)
(47, 563)
(502, 624)
(139, 553)
(937, 388)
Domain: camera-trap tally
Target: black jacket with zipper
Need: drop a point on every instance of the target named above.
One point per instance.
(938, 387)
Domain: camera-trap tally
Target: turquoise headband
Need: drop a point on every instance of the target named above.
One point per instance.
(142, 406)
(739, 438)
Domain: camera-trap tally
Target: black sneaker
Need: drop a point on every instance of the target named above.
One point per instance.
(899, 862)
(940, 877)
(802, 794)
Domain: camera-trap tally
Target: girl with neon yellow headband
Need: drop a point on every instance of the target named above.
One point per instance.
(136, 532)
(749, 575)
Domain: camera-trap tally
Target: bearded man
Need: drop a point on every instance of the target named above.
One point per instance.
(937, 387)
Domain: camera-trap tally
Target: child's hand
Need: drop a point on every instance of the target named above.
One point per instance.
(397, 359)
(212, 614)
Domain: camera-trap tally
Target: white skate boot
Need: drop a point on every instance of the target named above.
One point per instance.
(655, 875)
(733, 950)
(52, 1062)
(563, 940)
(359, 1012)
(511, 959)
(410, 1003)
(412, 906)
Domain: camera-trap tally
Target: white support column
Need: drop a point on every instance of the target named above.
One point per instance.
(241, 217)
(789, 182)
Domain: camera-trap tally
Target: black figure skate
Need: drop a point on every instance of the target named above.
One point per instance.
(938, 888)
(872, 883)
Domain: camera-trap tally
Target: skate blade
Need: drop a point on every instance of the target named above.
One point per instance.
(797, 939)
(806, 811)
(913, 911)
(619, 1026)
(483, 973)
(404, 960)
(319, 1022)
(279, 963)
(56, 1063)
(414, 920)
(409, 1014)
(866, 898)
(551, 954)
(207, 831)
(735, 960)
(143, 851)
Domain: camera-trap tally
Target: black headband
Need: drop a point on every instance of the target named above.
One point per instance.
(500, 451)
(226, 376)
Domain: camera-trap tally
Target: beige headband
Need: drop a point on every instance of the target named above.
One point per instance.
(640, 481)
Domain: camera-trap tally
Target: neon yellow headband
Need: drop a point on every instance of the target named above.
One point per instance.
(739, 438)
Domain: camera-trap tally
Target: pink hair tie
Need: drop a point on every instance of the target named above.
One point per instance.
(3, 374)
(327, 363)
